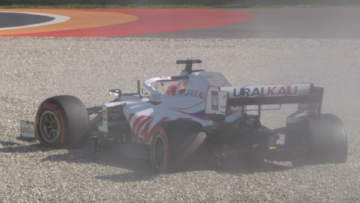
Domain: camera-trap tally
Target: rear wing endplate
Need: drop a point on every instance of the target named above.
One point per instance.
(216, 101)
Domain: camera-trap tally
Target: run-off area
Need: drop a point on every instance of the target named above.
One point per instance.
(34, 69)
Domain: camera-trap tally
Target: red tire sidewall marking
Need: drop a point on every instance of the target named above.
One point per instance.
(57, 111)
(167, 148)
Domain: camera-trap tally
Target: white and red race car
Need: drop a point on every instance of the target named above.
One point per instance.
(200, 113)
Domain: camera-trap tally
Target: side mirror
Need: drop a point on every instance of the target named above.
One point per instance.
(114, 92)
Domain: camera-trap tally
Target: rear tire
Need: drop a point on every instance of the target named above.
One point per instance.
(328, 141)
(173, 143)
(62, 121)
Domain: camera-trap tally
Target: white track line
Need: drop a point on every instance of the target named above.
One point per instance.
(58, 19)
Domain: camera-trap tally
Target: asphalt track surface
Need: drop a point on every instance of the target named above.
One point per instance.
(18, 19)
(310, 23)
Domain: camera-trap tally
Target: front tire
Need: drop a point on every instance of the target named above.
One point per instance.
(62, 121)
(173, 143)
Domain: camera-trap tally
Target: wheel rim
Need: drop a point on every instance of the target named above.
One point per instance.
(49, 126)
(159, 152)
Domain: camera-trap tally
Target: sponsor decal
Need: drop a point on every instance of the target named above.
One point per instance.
(265, 91)
(214, 100)
(27, 130)
(195, 94)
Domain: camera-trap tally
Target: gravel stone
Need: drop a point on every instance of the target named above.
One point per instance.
(33, 69)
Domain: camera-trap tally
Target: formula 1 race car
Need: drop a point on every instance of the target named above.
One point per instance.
(199, 115)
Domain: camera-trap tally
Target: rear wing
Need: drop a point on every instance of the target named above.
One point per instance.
(220, 98)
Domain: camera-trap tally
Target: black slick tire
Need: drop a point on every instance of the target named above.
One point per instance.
(62, 121)
(173, 143)
(328, 141)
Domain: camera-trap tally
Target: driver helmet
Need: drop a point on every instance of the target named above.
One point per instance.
(181, 88)
(171, 89)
